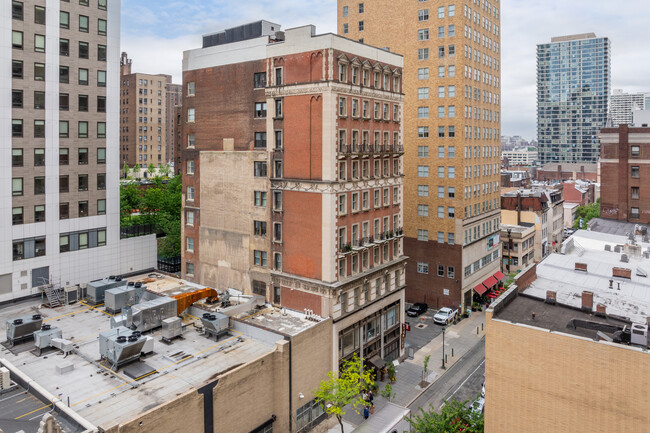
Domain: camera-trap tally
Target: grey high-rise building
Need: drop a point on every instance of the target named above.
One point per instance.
(623, 105)
(573, 88)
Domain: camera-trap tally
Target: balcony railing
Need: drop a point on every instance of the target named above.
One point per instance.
(366, 149)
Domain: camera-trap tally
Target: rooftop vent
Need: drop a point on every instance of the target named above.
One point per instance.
(624, 258)
(608, 247)
(618, 248)
(587, 301)
(581, 267)
(601, 310)
(551, 297)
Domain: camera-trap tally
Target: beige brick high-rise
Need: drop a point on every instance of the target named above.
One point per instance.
(451, 136)
(144, 116)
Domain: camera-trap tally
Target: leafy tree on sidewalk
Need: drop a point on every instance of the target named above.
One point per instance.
(586, 213)
(455, 416)
(344, 388)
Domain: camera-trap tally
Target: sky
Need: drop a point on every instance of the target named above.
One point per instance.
(155, 34)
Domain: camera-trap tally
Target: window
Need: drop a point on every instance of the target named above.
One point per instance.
(259, 81)
(259, 228)
(190, 140)
(190, 166)
(64, 101)
(260, 140)
(423, 15)
(101, 78)
(190, 115)
(634, 214)
(423, 190)
(17, 216)
(278, 76)
(361, 26)
(441, 172)
(101, 4)
(64, 19)
(16, 157)
(101, 155)
(83, 76)
(17, 186)
(64, 74)
(39, 213)
(64, 129)
(441, 91)
(82, 182)
(277, 200)
(423, 112)
(260, 198)
(361, 8)
(423, 235)
(451, 30)
(101, 27)
(451, 192)
(345, 29)
(101, 105)
(342, 205)
(423, 73)
(84, 50)
(189, 244)
(101, 181)
(17, 98)
(423, 151)
(441, 12)
(64, 211)
(260, 109)
(17, 39)
(259, 168)
(259, 258)
(17, 128)
(635, 150)
(441, 131)
(83, 102)
(83, 156)
(39, 157)
(441, 112)
(423, 210)
(441, 32)
(423, 171)
(189, 268)
(82, 129)
(64, 157)
(189, 217)
(441, 211)
(39, 185)
(450, 238)
(441, 270)
(423, 132)
(423, 53)
(423, 35)
(452, 172)
(17, 69)
(423, 93)
(451, 11)
(83, 23)
(441, 52)
(39, 74)
(277, 232)
(635, 172)
(345, 11)
(451, 212)
(636, 192)
(17, 11)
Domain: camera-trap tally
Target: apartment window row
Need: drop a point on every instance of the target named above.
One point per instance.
(83, 51)
(443, 152)
(18, 129)
(383, 323)
(376, 77)
(82, 240)
(381, 168)
(28, 248)
(481, 76)
(478, 133)
(481, 39)
(260, 79)
(423, 171)
(477, 265)
(481, 230)
(442, 270)
(361, 201)
(481, 95)
(442, 52)
(83, 74)
(369, 258)
(478, 57)
(363, 109)
(18, 37)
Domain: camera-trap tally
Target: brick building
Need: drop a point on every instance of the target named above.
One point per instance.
(292, 175)
(146, 108)
(451, 136)
(174, 97)
(579, 192)
(623, 169)
(568, 171)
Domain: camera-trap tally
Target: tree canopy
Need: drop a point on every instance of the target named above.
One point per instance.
(587, 213)
(454, 416)
(344, 388)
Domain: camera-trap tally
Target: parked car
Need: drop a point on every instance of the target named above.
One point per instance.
(483, 390)
(478, 405)
(417, 309)
(444, 316)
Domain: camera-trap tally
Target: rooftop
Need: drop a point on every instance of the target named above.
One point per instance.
(106, 398)
(612, 227)
(628, 297)
(556, 318)
(521, 228)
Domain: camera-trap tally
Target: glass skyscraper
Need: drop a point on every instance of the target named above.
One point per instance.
(573, 88)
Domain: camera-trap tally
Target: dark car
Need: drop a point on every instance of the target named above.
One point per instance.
(417, 309)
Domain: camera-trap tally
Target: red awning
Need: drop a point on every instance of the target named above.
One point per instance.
(480, 289)
(490, 282)
(499, 276)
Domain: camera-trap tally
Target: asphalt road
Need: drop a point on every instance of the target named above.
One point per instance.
(462, 381)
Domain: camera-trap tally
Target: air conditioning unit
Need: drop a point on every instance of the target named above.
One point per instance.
(71, 294)
(5, 378)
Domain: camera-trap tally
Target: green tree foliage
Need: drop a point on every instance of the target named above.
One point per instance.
(587, 213)
(165, 170)
(126, 170)
(455, 416)
(151, 169)
(344, 388)
(136, 170)
(159, 205)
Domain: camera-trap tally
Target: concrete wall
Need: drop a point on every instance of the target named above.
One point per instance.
(541, 381)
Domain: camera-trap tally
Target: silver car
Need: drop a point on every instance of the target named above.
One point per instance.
(444, 316)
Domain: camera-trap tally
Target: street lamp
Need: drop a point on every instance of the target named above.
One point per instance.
(443, 348)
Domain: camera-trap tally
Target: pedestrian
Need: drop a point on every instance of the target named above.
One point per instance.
(366, 412)
(370, 397)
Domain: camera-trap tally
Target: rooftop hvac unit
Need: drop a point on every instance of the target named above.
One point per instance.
(120, 346)
(171, 328)
(215, 324)
(97, 289)
(43, 338)
(23, 328)
(5, 378)
(118, 298)
(71, 294)
(639, 334)
(150, 314)
(624, 258)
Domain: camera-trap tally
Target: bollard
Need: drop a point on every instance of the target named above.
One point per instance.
(452, 352)
(477, 330)
(481, 326)
(446, 358)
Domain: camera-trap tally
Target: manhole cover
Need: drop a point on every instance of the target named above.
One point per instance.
(421, 325)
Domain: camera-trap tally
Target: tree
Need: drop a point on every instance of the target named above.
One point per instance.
(453, 417)
(425, 371)
(586, 213)
(151, 169)
(136, 170)
(387, 392)
(344, 389)
(130, 200)
(165, 170)
(126, 170)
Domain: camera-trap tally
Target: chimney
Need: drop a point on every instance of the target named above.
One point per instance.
(587, 301)
(601, 310)
(551, 297)
(125, 64)
(581, 267)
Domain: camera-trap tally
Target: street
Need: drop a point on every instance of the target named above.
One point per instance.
(461, 381)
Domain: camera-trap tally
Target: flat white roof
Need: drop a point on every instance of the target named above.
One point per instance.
(557, 272)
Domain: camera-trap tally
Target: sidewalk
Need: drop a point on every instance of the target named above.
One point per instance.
(406, 388)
